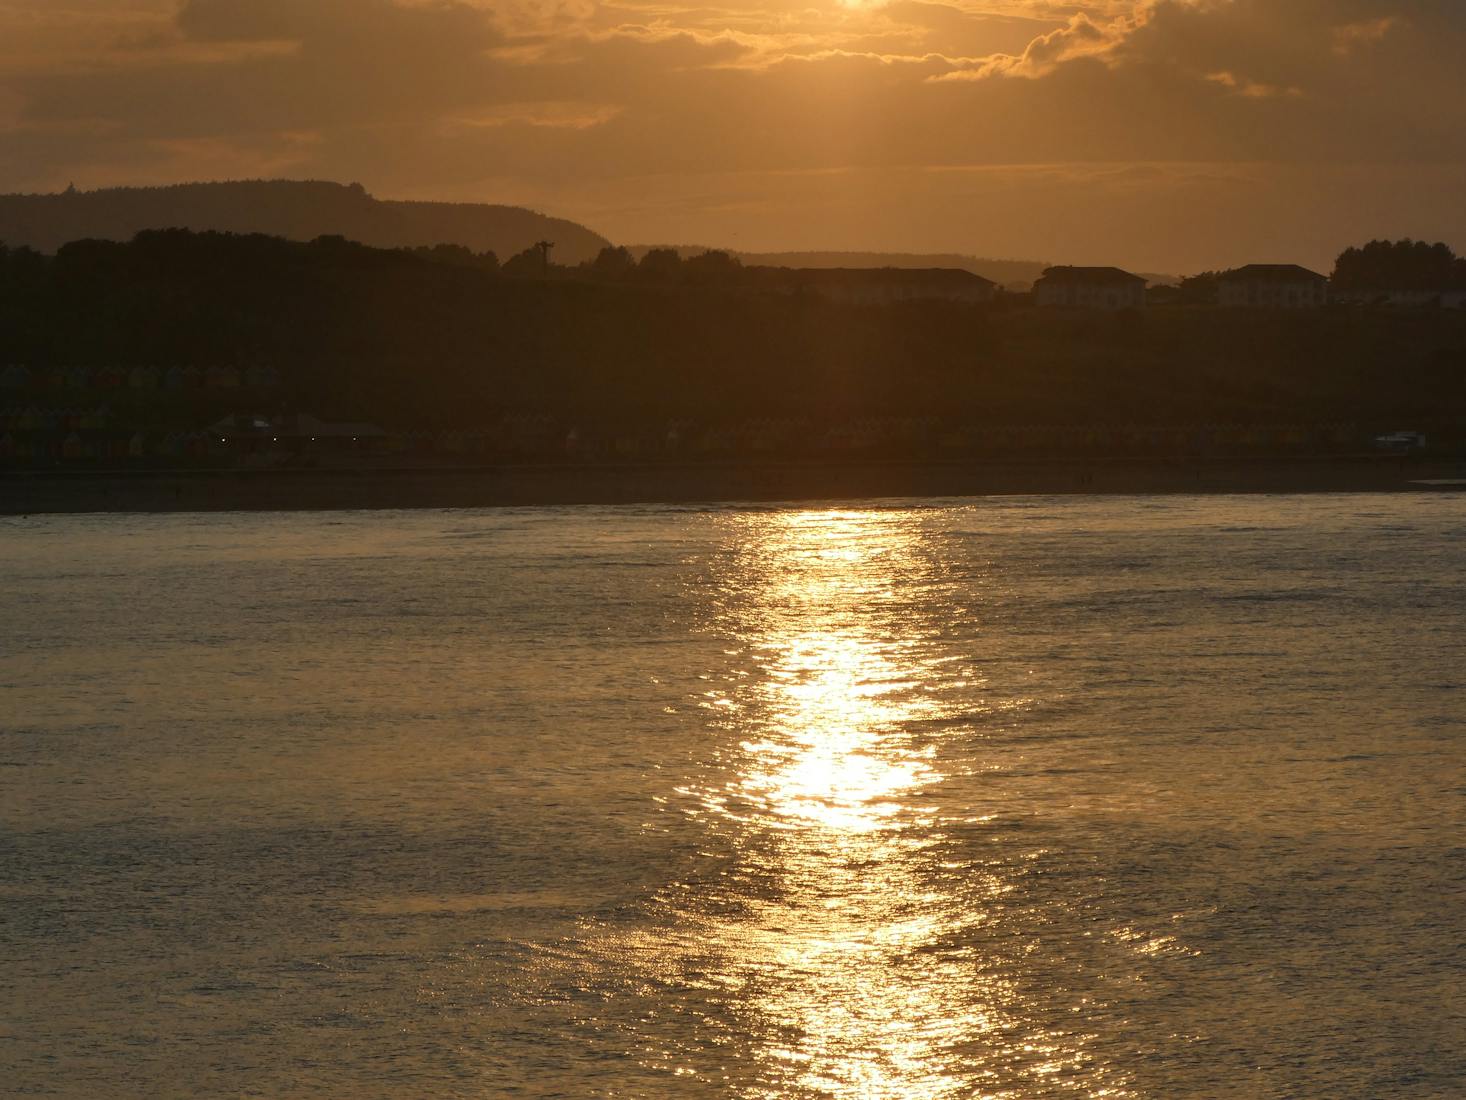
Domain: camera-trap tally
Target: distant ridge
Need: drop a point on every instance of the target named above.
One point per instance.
(1014, 274)
(299, 210)
(1010, 274)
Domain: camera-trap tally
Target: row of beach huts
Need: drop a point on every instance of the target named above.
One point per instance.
(96, 436)
(180, 379)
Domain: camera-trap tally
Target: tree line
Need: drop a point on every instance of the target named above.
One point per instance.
(448, 338)
(1400, 265)
(1375, 268)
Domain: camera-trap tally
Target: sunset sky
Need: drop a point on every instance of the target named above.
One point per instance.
(1172, 135)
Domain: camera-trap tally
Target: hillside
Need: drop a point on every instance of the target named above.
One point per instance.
(284, 208)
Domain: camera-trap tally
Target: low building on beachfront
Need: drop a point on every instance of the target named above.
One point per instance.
(293, 433)
(1272, 286)
(261, 378)
(221, 376)
(1089, 288)
(144, 378)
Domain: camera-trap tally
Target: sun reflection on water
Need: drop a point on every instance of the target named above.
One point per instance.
(830, 794)
(827, 761)
(842, 934)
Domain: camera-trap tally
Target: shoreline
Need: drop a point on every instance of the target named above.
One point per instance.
(25, 492)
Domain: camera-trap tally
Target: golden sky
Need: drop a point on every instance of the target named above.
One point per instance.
(1165, 135)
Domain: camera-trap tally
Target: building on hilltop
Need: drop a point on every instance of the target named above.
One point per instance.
(877, 285)
(1089, 288)
(1272, 286)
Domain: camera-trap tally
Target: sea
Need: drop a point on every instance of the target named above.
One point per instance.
(1012, 798)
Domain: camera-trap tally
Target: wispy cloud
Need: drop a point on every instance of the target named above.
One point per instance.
(1081, 37)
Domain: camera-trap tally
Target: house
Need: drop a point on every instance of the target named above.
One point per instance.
(876, 285)
(1272, 286)
(1089, 288)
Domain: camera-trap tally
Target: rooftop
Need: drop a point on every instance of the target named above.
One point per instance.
(1272, 273)
(1089, 275)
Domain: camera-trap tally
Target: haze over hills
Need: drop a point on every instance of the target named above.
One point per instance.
(298, 210)
(1012, 274)
(1009, 273)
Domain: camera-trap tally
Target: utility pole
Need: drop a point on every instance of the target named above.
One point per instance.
(544, 247)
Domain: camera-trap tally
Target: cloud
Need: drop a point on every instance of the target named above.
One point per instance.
(1081, 37)
(508, 100)
(1352, 37)
(1250, 89)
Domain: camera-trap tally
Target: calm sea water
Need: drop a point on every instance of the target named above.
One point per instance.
(1020, 798)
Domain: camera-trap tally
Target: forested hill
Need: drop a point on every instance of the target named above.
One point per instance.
(284, 208)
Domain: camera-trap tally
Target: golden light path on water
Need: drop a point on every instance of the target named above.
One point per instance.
(844, 942)
(834, 780)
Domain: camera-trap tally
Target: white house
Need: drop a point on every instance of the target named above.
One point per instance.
(1272, 286)
(1089, 288)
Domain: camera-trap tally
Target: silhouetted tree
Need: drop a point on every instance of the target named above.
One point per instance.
(613, 262)
(529, 264)
(662, 265)
(457, 255)
(1399, 265)
(1201, 289)
(712, 267)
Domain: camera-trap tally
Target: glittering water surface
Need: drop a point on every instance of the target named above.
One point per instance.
(1023, 799)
